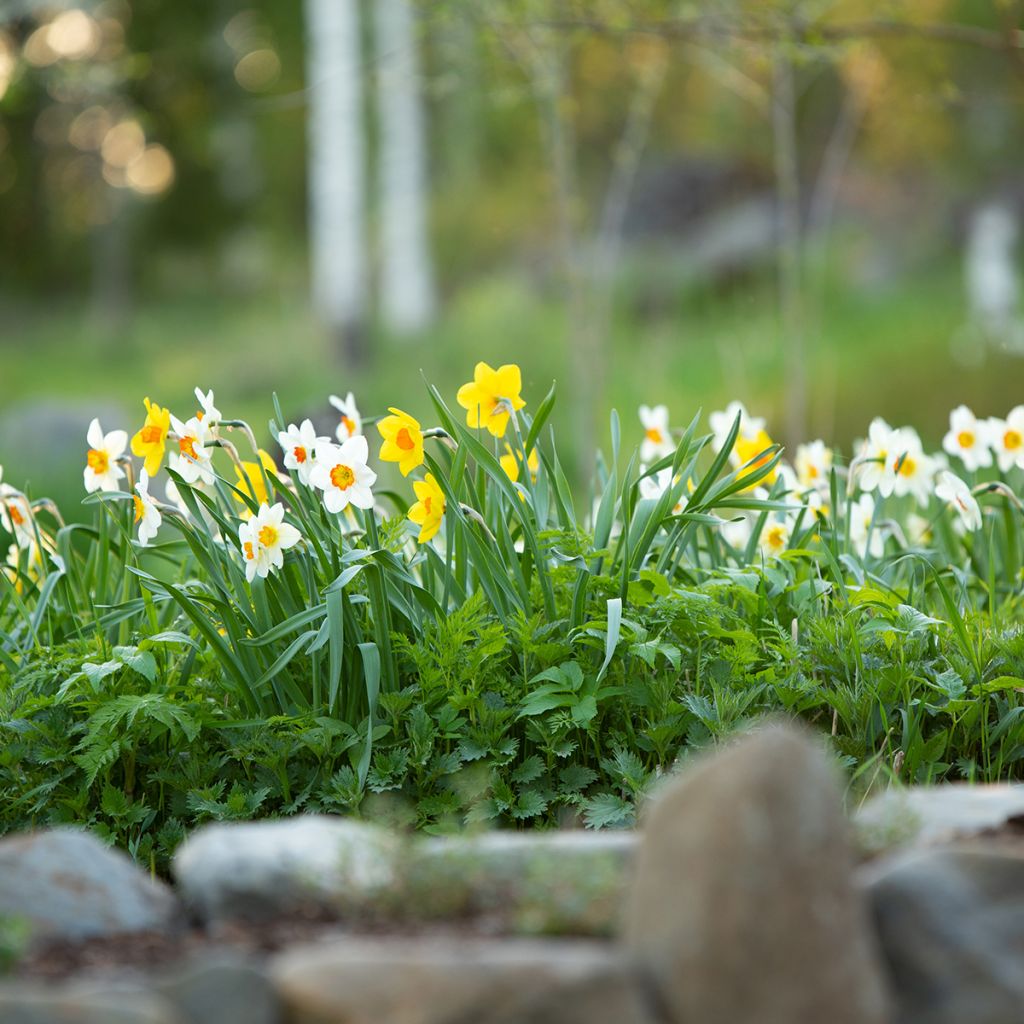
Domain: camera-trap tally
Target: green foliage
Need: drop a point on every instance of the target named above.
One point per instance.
(535, 669)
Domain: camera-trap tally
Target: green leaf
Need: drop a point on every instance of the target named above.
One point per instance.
(138, 661)
(606, 810)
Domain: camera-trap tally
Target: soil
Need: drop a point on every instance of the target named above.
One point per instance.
(155, 950)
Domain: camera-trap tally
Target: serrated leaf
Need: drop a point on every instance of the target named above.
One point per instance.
(138, 661)
(606, 810)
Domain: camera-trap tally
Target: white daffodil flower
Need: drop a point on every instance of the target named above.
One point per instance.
(775, 536)
(912, 472)
(874, 465)
(193, 463)
(657, 442)
(865, 540)
(919, 529)
(968, 439)
(209, 413)
(341, 472)
(736, 532)
(299, 445)
(16, 516)
(655, 486)
(951, 489)
(813, 463)
(721, 423)
(1007, 439)
(102, 472)
(147, 514)
(351, 423)
(264, 538)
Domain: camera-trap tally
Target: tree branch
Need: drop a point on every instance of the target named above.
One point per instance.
(808, 33)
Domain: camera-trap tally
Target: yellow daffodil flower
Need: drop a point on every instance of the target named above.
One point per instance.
(151, 441)
(492, 396)
(510, 463)
(403, 441)
(429, 509)
(747, 448)
(251, 484)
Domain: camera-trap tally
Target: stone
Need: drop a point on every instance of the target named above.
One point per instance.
(620, 996)
(83, 1003)
(568, 882)
(222, 988)
(66, 884)
(951, 926)
(743, 905)
(431, 980)
(935, 814)
(256, 870)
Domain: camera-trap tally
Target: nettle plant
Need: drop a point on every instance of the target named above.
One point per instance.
(264, 639)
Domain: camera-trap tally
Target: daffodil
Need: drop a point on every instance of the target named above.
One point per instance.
(754, 450)
(657, 442)
(874, 465)
(102, 472)
(722, 421)
(428, 511)
(955, 492)
(774, 538)
(911, 470)
(264, 538)
(736, 532)
(813, 464)
(299, 444)
(193, 460)
(654, 486)
(864, 539)
(968, 439)
(510, 463)
(351, 423)
(208, 411)
(151, 441)
(25, 562)
(403, 441)
(250, 480)
(16, 516)
(491, 397)
(341, 472)
(147, 514)
(1007, 439)
(919, 528)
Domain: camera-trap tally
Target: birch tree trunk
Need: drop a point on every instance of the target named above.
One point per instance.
(336, 175)
(407, 300)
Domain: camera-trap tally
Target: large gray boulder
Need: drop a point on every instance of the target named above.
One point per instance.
(259, 869)
(743, 905)
(951, 926)
(66, 884)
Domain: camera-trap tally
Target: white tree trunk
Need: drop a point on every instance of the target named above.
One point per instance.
(336, 141)
(406, 275)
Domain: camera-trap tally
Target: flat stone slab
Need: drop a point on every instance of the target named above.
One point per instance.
(84, 1003)
(67, 884)
(935, 814)
(432, 981)
(258, 869)
(569, 882)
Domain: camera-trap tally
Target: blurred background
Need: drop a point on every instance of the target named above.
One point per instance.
(810, 206)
